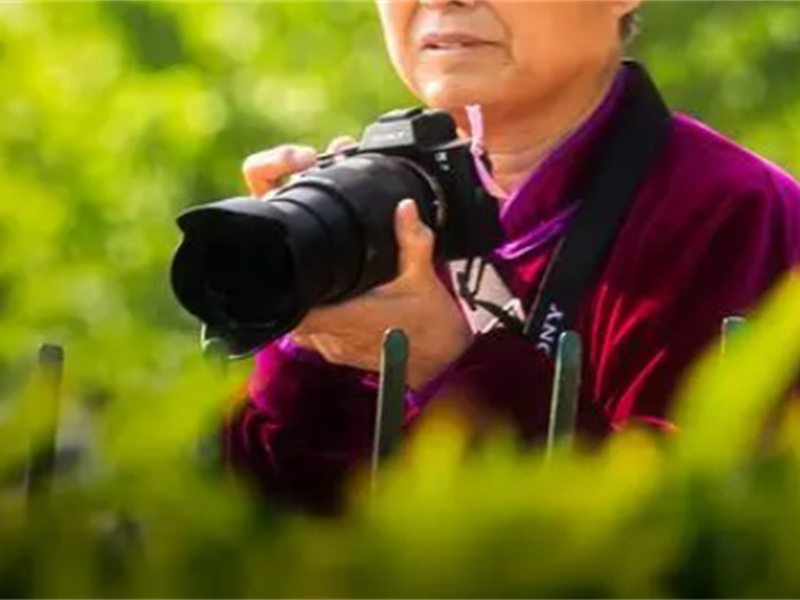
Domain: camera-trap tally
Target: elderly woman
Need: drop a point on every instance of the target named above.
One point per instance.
(710, 228)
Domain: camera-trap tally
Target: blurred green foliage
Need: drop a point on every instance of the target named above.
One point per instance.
(115, 115)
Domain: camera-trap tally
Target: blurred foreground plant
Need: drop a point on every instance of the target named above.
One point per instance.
(707, 513)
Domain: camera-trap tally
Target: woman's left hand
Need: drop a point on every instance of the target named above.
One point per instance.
(417, 301)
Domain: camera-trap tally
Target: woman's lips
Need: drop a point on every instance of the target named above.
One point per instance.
(451, 42)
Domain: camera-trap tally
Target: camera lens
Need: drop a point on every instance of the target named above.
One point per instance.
(245, 292)
(251, 270)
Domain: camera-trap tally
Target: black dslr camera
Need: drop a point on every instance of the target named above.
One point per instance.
(251, 270)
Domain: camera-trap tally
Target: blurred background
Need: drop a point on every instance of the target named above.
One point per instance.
(116, 115)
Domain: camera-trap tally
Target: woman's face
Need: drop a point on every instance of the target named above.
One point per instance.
(504, 53)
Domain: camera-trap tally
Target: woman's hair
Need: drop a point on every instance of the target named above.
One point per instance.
(629, 25)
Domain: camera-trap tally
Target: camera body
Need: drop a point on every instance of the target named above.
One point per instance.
(251, 270)
(464, 217)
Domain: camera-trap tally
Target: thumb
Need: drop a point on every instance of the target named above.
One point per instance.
(414, 239)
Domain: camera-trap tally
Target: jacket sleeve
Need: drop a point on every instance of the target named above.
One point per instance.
(308, 424)
(305, 426)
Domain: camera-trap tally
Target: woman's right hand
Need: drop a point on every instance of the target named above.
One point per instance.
(266, 171)
(350, 333)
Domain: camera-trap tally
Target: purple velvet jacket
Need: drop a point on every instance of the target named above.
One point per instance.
(711, 229)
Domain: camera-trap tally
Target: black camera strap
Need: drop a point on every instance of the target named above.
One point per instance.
(637, 133)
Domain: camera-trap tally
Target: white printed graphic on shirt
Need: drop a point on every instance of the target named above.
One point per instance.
(479, 284)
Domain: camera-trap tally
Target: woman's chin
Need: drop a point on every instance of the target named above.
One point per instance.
(449, 93)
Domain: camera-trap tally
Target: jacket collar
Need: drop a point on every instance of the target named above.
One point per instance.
(539, 205)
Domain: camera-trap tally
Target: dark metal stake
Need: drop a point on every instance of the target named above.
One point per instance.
(43, 452)
(208, 448)
(215, 351)
(730, 328)
(391, 400)
(566, 390)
